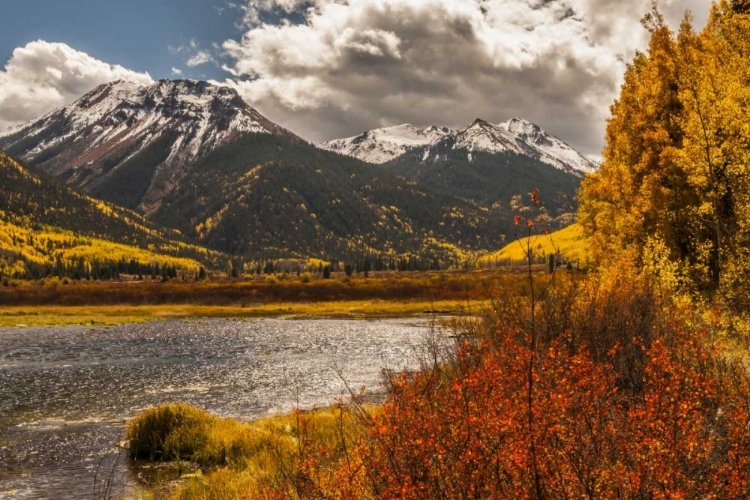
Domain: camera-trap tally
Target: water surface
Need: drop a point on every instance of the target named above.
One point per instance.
(66, 392)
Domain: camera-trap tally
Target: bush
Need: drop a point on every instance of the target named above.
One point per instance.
(305, 277)
(605, 391)
(258, 455)
(168, 432)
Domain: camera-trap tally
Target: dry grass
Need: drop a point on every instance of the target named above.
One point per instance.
(115, 315)
(243, 458)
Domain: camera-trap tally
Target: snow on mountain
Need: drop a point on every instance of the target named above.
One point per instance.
(516, 136)
(484, 136)
(384, 144)
(167, 125)
(122, 112)
(553, 150)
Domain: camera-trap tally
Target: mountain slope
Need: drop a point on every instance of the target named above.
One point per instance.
(384, 144)
(131, 145)
(274, 197)
(195, 157)
(515, 136)
(489, 179)
(32, 207)
(570, 243)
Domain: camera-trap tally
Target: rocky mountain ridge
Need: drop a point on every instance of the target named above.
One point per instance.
(149, 135)
(518, 136)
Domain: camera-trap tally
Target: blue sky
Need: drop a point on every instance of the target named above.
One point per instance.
(338, 68)
(136, 34)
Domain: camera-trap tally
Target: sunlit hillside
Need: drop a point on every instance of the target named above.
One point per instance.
(570, 243)
(47, 228)
(22, 249)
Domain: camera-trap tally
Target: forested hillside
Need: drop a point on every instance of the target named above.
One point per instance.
(44, 221)
(266, 196)
(489, 179)
(194, 156)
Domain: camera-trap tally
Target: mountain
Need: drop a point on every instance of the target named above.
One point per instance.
(272, 197)
(195, 157)
(131, 145)
(41, 219)
(384, 144)
(489, 179)
(515, 136)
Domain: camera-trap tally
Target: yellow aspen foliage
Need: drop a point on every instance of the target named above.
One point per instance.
(677, 154)
(635, 192)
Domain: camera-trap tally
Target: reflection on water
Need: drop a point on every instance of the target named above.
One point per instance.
(66, 392)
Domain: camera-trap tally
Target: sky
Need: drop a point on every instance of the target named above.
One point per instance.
(334, 68)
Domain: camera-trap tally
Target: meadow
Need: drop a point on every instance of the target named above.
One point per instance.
(386, 294)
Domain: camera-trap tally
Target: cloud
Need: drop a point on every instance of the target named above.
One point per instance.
(331, 68)
(176, 71)
(43, 76)
(198, 58)
(195, 55)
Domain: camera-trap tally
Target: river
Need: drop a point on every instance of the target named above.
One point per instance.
(67, 392)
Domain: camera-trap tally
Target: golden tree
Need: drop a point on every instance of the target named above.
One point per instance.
(638, 192)
(673, 182)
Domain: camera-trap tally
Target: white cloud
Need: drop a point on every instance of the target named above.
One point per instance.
(198, 58)
(176, 71)
(43, 76)
(195, 55)
(364, 63)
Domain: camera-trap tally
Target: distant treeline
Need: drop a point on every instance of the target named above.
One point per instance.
(82, 269)
(469, 286)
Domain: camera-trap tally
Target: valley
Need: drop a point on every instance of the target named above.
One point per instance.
(195, 159)
(375, 250)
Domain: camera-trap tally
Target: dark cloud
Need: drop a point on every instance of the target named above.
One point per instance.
(360, 64)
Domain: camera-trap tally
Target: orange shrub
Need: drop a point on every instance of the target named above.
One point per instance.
(617, 398)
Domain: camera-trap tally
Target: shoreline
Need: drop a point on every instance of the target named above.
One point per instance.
(109, 315)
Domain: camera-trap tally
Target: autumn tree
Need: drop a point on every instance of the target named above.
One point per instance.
(714, 77)
(638, 193)
(672, 187)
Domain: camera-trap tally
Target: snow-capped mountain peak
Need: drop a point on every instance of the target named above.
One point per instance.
(516, 136)
(484, 136)
(122, 111)
(172, 122)
(553, 150)
(384, 144)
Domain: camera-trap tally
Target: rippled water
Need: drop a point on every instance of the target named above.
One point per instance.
(66, 392)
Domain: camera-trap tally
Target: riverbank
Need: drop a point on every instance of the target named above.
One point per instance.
(69, 389)
(110, 315)
(381, 295)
